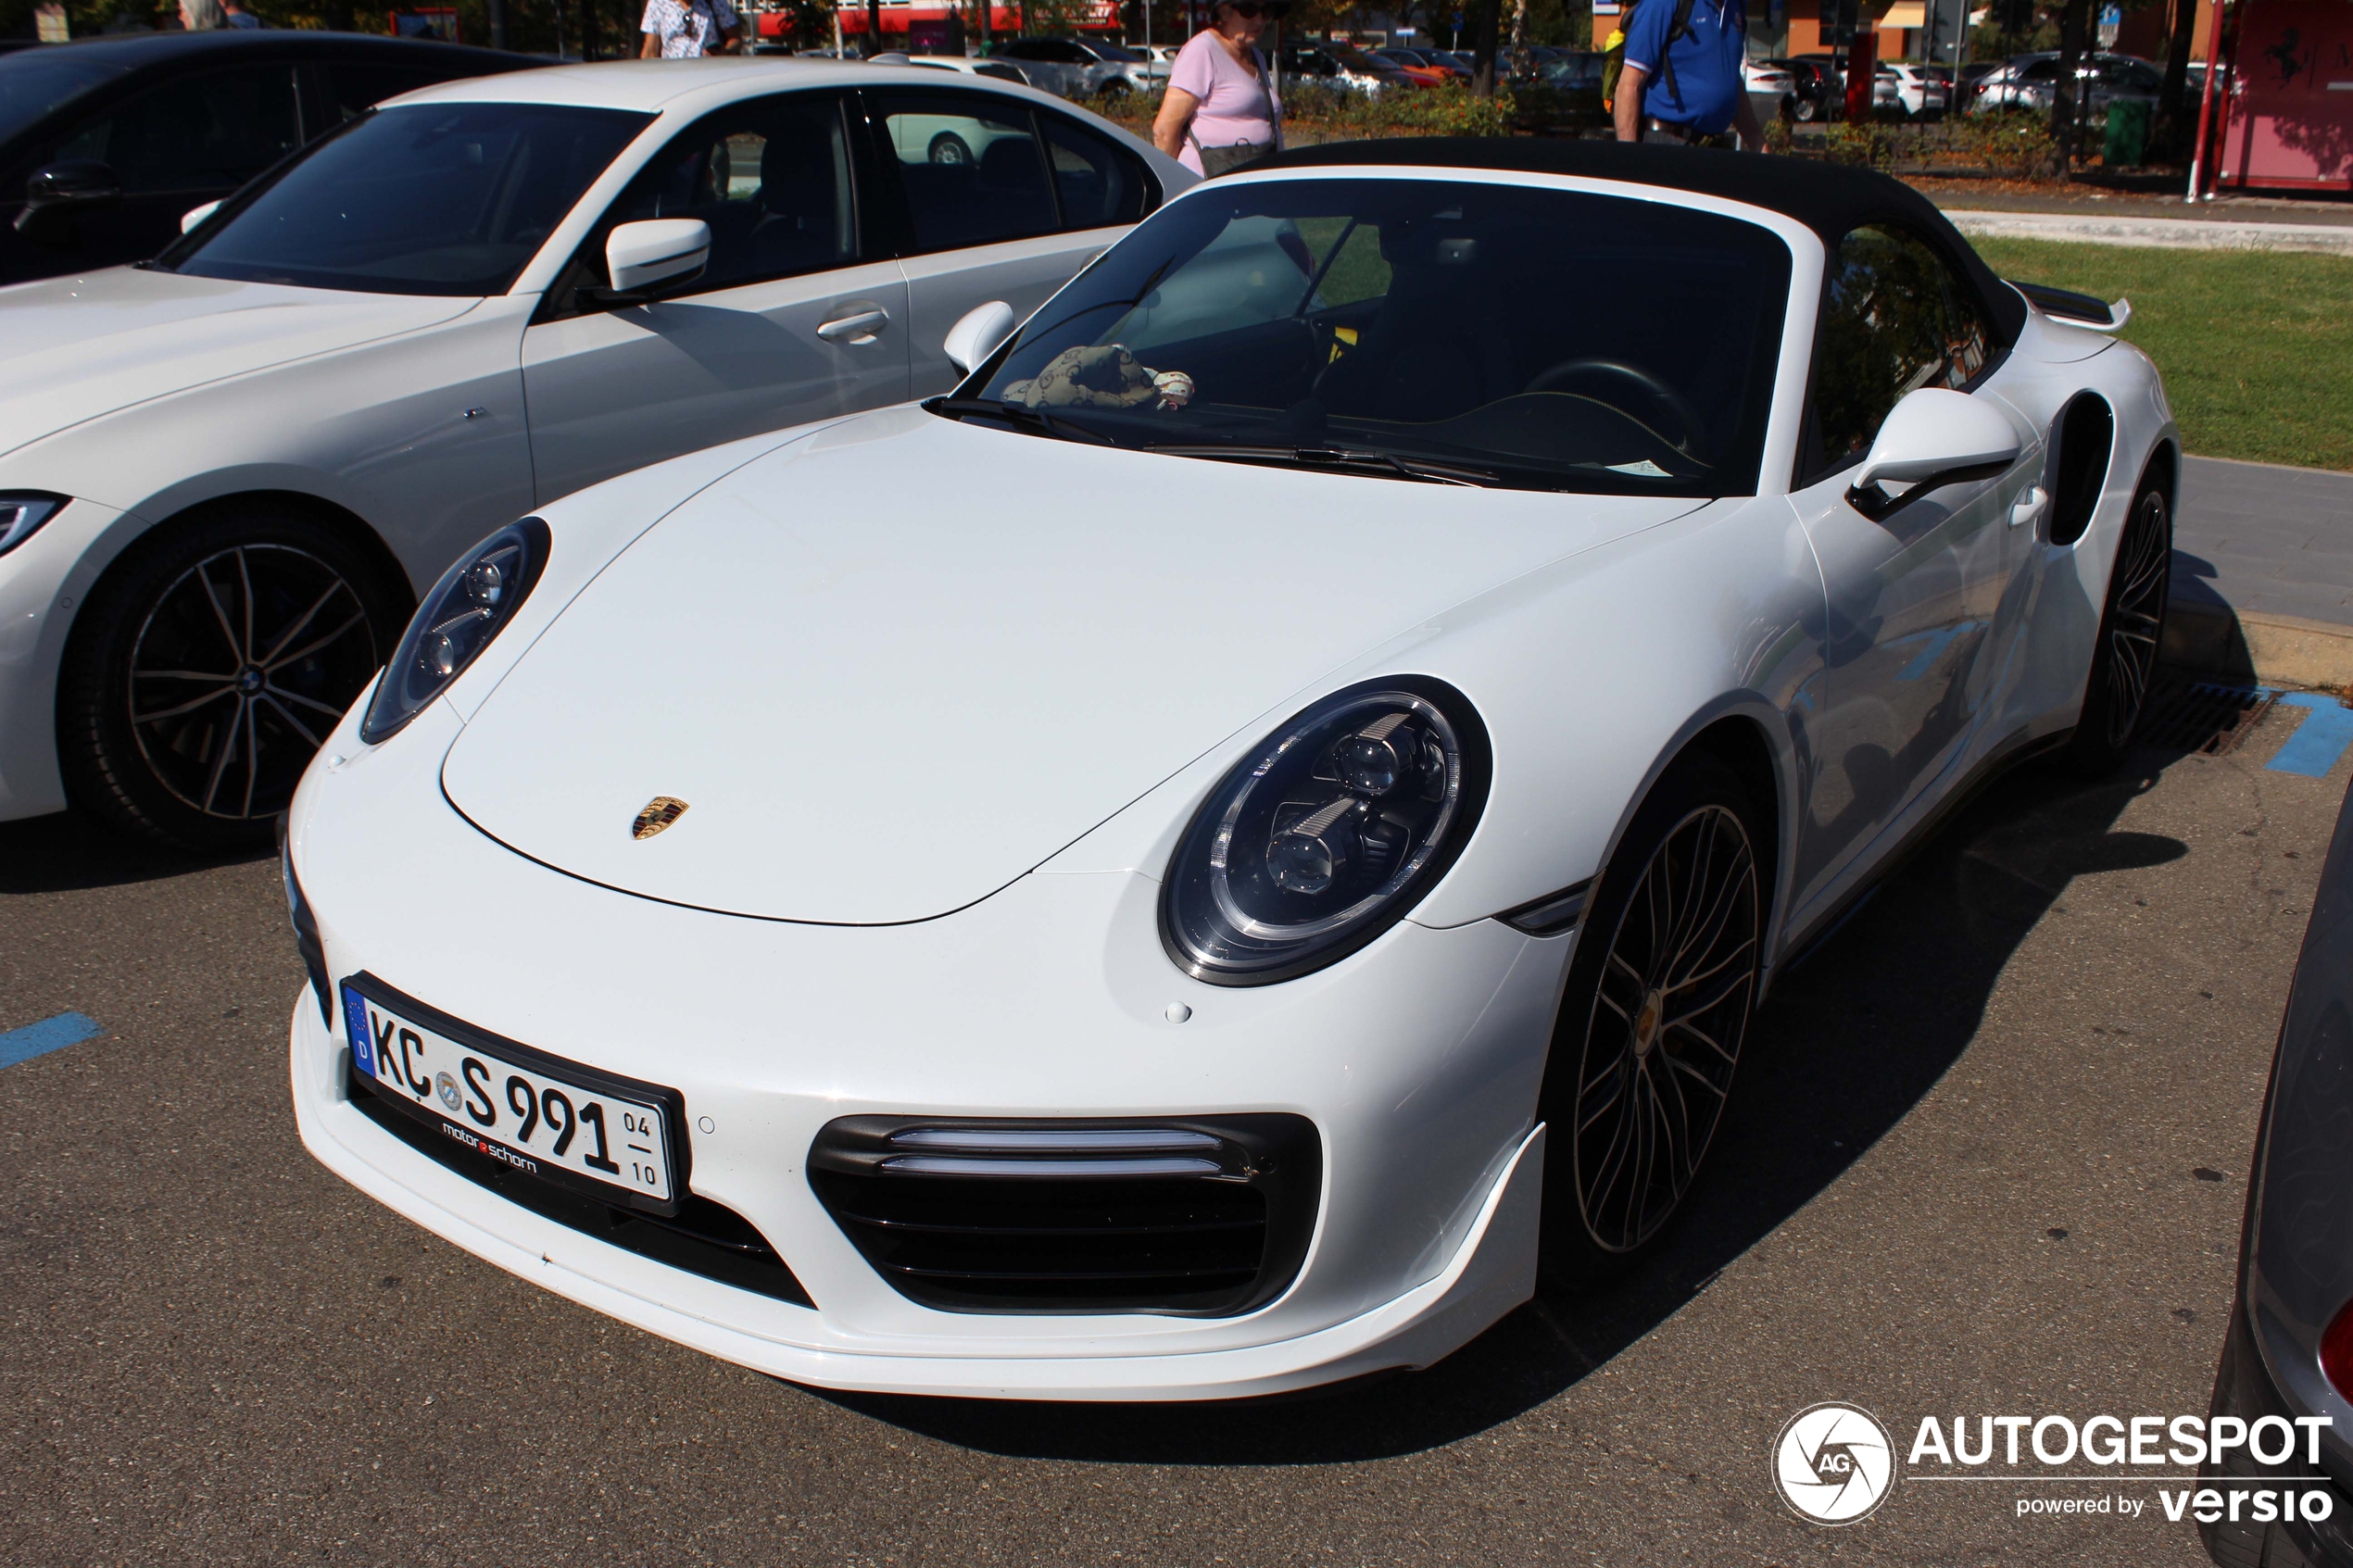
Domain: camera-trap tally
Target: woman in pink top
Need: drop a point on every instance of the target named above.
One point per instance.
(1220, 97)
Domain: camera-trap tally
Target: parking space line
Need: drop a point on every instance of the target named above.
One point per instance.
(49, 1034)
(2320, 740)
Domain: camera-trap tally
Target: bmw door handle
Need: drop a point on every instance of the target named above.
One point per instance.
(859, 326)
(2029, 507)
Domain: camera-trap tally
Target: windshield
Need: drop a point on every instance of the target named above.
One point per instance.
(1546, 339)
(431, 198)
(33, 81)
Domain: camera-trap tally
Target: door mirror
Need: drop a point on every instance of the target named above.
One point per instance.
(1930, 439)
(979, 335)
(54, 194)
(659, 254)
(196, 215)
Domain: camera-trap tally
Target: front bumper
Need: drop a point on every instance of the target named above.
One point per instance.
(1417, 1060)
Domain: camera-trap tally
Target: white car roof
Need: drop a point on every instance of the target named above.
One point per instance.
(658, 86)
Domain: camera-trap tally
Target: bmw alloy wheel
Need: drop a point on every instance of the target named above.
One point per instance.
(244, 665)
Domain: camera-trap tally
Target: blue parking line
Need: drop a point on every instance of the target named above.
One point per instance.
(2320, 740)
(49, 1034)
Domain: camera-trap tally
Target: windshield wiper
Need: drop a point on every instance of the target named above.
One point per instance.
(1014, 413)
(1343, 458)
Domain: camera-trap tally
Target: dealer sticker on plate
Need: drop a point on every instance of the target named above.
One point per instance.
(514, 1114)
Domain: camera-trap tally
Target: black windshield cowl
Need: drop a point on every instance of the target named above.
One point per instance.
(1020, 414)
(1387, 464)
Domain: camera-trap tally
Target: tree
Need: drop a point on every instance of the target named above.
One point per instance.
(2066, 111)
(2176, 117)
(1486, 15)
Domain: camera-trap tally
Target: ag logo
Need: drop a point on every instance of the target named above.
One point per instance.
(450, 1094)
(1834, 1464)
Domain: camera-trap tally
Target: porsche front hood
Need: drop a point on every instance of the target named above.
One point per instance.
(74, 349)
(891, 667)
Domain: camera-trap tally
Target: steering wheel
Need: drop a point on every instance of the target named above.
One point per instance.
(1565, 375)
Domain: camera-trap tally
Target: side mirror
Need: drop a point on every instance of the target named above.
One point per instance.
(980, 332)
(641, 257)
(196, 215)
(1933, 438)
(68, 186)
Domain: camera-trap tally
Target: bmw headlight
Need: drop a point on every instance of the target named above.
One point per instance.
(1326, 834)
(466, 608)
(22, 513)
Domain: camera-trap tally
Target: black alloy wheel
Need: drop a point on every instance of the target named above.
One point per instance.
(1658, 1007)
(208, 669)
(2132, 632)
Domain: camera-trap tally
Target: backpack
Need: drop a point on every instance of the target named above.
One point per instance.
(1681, 27)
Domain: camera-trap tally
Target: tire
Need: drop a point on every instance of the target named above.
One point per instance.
(1808, 111)
(948, 147)
(2131, 630)
(1682, 897)
(207, 665)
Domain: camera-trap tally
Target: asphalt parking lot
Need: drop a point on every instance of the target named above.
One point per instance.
(1988, 1153)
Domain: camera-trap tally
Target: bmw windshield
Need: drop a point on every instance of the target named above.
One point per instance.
(423, 198)
(1418, 329)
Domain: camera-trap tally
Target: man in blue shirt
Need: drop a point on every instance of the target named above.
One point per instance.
(1689, 86)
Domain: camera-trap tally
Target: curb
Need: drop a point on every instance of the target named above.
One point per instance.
(2164, 234)
(2269, 651)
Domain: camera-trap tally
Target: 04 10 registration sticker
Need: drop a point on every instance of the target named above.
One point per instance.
(529, 1120)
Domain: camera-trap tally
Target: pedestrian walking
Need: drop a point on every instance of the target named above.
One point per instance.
(203, 15)
(238, 15)
(686, 30)
(1221, 109)
(1682, 79)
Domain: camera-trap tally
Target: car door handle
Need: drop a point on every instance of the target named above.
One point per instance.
(2029, 507)
(855, 327)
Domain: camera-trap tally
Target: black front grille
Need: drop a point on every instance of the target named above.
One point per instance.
(704, 1238)
(1198, 1216)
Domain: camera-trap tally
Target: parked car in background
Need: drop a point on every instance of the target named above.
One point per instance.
(1405, 60)
(2287, 1354)
(225, 474)
(1436, 59)
(1816, 93)
(1341, 66)
(1075, 68)
(1918, 95)
(2031, 82)
(996, 69)
(1772, 83)
(105, 144)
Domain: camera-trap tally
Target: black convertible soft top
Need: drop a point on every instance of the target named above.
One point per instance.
(1827, 198)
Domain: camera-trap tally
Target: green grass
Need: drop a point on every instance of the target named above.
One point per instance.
(2257, 348)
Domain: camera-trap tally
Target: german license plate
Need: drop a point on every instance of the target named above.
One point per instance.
(535, 1121)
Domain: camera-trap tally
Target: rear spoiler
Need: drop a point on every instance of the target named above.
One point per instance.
(2077, 310)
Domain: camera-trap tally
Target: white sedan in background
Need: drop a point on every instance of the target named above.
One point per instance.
(1190, 865)
(224, 474)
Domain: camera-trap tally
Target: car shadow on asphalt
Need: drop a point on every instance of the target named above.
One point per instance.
(1852, 1037)
(71, 850)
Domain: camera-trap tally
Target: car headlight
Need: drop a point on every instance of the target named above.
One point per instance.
(1326, 834)
(466, 608)
(22, 513)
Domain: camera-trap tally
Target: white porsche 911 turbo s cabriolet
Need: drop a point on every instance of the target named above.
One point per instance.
(225, 473)
(1186, 867)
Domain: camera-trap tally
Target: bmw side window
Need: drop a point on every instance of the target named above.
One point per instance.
(1894, 320)
(1099, 186)
(202, 133)
(770, 177)
(970, 166)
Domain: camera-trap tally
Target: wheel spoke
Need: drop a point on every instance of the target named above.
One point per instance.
(1705, 1038)
(204, 576)
(269, 659)
(220, 763)
(188, 707)
(183, 675)
(357, 618)
(287, 714)
(253, 761)
(329, 710)
(244, 575)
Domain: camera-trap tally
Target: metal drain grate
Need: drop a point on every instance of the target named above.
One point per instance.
(2203, 716)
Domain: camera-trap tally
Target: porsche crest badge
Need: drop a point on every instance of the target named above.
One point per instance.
(659, 812)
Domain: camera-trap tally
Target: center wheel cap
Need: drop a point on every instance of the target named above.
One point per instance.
(249, 679)
(1646, 1023)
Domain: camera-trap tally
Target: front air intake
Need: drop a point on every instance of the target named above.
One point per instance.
(1201, 1218)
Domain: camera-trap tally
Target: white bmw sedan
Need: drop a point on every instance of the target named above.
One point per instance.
(224, 474)
(1190, 866)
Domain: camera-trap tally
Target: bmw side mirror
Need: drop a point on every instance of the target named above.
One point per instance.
(1933, 438)
(648, 259)
(979, 333)
(54, 194)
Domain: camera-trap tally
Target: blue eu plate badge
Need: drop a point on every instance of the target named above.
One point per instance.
(355, 1019)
